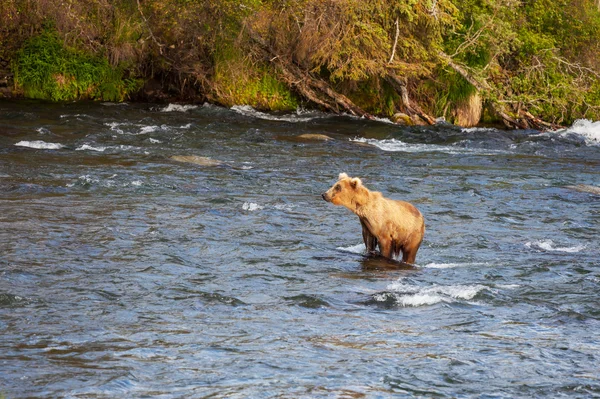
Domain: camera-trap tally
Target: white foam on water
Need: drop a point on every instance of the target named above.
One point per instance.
(178, 108)
(393, 145)
(585, 128)
(43, 130)
(114, 126)
(121, 147)
(87, 147)
(451, 265)
(149, 129)
(40, 145)
(251, 206)
(299, 116)
(549, 246)
(477, 129)
(284, 207)
(355, 249)
(155, 141)
(414, 295)
(383, 120)
(508, 286)
(419, 300)
(119, 127)
(73, 116)
(85, 180)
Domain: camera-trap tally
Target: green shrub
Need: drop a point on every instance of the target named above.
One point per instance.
(241, 82)
(45, 69)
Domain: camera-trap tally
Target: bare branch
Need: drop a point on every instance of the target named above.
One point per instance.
(160, 46)
(395, 42)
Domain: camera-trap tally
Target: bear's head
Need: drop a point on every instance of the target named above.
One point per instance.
(345, 192)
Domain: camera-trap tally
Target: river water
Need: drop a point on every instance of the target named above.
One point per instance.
(126, 273)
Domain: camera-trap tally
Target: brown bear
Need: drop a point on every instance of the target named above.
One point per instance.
(394, 225)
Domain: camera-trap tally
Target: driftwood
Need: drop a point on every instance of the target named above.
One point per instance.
(524, 119)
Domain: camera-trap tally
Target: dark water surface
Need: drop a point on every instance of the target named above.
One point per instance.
(125, 273)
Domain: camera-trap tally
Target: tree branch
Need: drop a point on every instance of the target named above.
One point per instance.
(395, 42)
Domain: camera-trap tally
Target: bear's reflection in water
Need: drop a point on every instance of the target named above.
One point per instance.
(375, 261)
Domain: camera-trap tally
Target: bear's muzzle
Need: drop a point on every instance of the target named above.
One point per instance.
(326, 197)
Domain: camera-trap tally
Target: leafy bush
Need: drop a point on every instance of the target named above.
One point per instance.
(45, 69)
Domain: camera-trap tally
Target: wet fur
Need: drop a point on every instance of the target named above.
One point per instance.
(394, 226)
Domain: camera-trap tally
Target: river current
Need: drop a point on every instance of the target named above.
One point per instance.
(173, 251)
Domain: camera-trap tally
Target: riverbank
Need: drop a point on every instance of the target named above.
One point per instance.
(519, 64)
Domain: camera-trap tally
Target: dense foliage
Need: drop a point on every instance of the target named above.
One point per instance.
(517, 60)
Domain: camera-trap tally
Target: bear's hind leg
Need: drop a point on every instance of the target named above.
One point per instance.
(386, 248)
(409, 255)
(397, 249)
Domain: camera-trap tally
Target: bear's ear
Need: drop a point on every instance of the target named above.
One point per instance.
(342, 176)
(355, 182)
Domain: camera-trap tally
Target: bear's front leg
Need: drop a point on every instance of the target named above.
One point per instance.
(369, 239)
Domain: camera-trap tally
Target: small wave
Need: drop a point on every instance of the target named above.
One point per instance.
(251, 206)
(122, 147)
(43, 131)
(84, 180)
(40, 145)
(478, 129)
(299, 116)
(108, 182)
(178, 108)
(548, 245)
(87, 147)
(114, 126)
(383, 120)
(451, 265)
(149, 129)
(143, 129)
(393, 145)
(413, 300)
(355, 249)
(402, 294)
(284, 207)
(74, 116)
(508, 286)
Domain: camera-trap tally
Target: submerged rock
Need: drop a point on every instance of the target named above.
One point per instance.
(585, 188)
(314, 136)
(197, 160)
